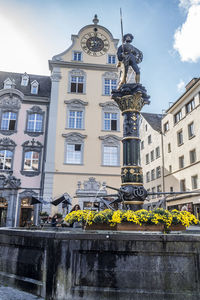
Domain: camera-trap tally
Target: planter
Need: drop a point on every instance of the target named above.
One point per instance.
(99, 226)
(177, 227)
(133, 227)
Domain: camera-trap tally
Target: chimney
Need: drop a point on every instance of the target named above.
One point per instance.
(191, 83)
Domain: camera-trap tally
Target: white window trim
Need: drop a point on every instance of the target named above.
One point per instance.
(74, 138)
(110, 107)
(110, 141)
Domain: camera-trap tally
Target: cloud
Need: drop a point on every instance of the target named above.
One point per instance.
(187, 3)
(181, 86)
(186, 37)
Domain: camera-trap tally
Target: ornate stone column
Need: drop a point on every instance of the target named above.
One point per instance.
(130, 99)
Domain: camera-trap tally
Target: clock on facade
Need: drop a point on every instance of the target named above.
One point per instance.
(95, 44)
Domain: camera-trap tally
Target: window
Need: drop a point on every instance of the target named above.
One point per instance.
(75, 113)
(142, 145)
(182, 185)
(77, 56)
(75, 119)
(9, 84)
(6, 159)
(146, 127)
(110, 150)
(169, 147)
(190, 106)
(153, 174)
(31, 161)
(25, 79)
(157, 152)
(166, 126)
(147, 159)
(170, 168)
(159, 190)
(194, 180)
(34, 87)
(190, 130)
(77, 84)
(193, 156)
(35, 123)
(147, 176)
(158, 172)
(109, 85)
(8, 121)
(74, 143)
(152, 155)
(180, 138)
(110, 121)
(181, 162)
(171, 189)
(74, 154)
(149, 139)
(112, 59)
(177, 117)
(153, 190)
(110, 157)
(77, 81)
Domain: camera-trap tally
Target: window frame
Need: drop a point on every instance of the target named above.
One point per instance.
(196, 182)
(75, 53)
(110, 58)
(34, 85)
(31, 111)
(76, 73)
(195, 156)
(149, 139)
(74, 138)
(189, 106)
(75, 105)
(109, 76)
(157, 150)
(31, 146)
(183, 185)
(178, 117)
(181, 162)
(190, 136)
(9, 145)
(110, 141)
(158, 172)
(180, 141)
(110, 107)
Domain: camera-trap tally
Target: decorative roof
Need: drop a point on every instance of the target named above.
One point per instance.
(44, 89)
(154, 120)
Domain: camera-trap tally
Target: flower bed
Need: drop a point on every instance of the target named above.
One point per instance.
(159, 219)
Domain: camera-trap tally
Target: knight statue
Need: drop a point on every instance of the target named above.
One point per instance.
(128, 56)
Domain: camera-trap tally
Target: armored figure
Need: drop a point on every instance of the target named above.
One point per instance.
(128, 55)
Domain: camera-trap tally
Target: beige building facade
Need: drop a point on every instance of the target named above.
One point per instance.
(181, 148)
(85, 131)
(170, 152)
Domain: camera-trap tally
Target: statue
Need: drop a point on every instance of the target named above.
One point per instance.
(128, 56)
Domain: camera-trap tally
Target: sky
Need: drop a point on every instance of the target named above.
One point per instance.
(166, 31)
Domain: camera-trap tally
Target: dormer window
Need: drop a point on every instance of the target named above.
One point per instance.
(25, 79)
(34, 87)
(9, 84)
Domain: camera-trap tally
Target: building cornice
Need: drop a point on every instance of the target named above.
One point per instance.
(81, 65)
(182, 97)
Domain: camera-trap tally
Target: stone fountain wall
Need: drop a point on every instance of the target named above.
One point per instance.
(103, 265)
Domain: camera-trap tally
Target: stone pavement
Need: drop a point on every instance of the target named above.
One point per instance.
(8, 293)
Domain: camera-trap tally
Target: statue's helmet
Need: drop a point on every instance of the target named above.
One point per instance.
(128, 37)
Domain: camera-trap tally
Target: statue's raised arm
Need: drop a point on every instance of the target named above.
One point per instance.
(128, 55)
